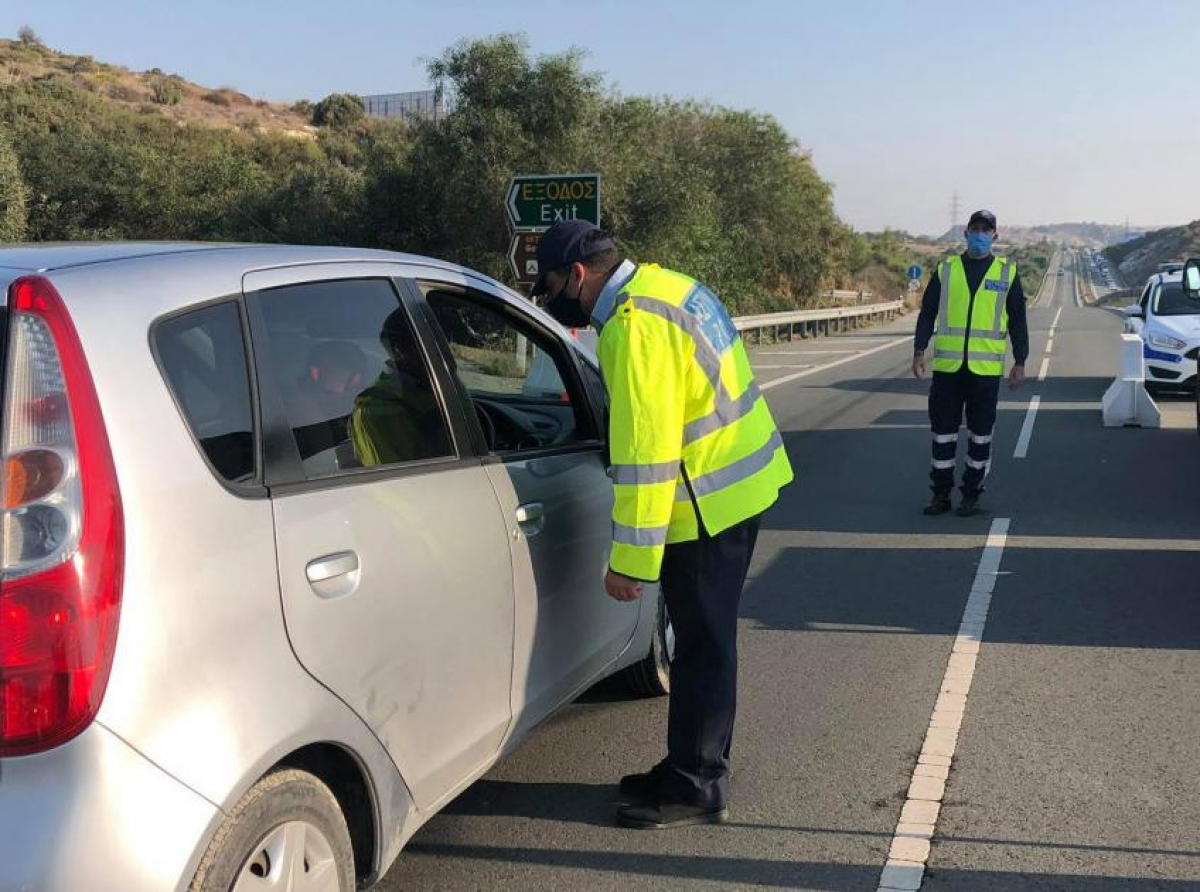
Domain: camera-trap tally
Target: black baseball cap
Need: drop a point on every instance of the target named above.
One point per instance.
(567, 242)
(985, 217)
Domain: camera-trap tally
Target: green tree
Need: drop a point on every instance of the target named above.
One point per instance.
(338, 111)
(12, 193)
(29, 37)
(167, 92)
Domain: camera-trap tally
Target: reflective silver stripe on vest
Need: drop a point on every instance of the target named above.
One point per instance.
(714, 481)
(639, 475)
(978, 357)
(708, 361)
(642, 537)
(726, 413)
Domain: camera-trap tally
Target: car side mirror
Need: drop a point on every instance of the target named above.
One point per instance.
(1191, 278)
(1134, 311)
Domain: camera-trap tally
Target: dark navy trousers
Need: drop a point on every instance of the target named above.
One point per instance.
(702, 585)
(951, 396)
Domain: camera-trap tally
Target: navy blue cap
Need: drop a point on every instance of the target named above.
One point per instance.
(567, 242)
(987, 218)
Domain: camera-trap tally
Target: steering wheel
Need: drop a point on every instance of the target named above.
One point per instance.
(489, 427)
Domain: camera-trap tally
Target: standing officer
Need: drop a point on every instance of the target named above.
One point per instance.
(696, 461)
(978, 303)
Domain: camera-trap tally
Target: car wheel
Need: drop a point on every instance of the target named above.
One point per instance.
(651, 676)
(287, 832)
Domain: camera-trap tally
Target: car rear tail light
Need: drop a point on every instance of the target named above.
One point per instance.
(61, 530)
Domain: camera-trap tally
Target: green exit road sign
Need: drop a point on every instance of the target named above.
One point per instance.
(538, 201)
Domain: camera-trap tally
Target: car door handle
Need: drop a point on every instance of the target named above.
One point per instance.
(331, 566)
(334, 575)
(531, 519)
(531, 512)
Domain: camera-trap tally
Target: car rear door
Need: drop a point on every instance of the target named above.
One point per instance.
(394, 564)
(546, 458)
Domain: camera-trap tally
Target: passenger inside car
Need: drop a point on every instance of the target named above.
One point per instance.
(323, 398)
(393, 417)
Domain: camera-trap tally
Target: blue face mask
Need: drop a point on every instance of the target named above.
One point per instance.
(979, 244)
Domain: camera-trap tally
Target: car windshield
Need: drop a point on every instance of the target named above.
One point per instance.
(1171, 301)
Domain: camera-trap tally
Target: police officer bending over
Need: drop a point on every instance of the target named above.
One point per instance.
(696, 460)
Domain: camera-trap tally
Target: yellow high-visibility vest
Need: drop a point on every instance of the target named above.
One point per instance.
(982, 339)
(689, 429)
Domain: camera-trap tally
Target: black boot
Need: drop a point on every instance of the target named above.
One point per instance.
(937, 505)
(661, 815)
(645, 785)
(969, 506)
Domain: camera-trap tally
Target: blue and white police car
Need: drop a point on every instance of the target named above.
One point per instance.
(1168, 322)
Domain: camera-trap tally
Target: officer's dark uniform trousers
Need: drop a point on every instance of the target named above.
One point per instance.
(702, 586)
(950, 394)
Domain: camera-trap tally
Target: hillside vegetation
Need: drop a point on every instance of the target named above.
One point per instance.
(1138, 259)
(153, 92)
(96, 151)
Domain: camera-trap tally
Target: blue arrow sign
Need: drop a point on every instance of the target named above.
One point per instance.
(914, 272)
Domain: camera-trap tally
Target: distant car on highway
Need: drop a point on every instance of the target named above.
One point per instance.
(298, 542)
(1168, 322)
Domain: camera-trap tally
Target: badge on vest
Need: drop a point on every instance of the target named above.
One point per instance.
(995, 286)
(715, 325)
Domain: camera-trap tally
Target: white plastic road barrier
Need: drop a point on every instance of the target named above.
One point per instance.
(1126, 403)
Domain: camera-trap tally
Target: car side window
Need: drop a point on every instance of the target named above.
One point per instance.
(522, 383)
(203, 356)
(356, 388)
(1146, 298)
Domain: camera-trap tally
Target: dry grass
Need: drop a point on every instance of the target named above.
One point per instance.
(223, 107)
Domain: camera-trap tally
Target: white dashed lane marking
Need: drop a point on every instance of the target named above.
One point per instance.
(1022, 449)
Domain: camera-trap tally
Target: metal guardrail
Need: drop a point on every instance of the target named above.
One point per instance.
(822, 321)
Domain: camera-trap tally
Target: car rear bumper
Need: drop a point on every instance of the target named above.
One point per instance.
(94, 814)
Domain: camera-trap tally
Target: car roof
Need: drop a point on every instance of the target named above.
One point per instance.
(52, 256)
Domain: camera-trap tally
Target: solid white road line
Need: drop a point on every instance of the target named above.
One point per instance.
(786, 379)
(1045, 368)
(1057, 316)
(909, 853)
(1050, 346)
(1027, 428)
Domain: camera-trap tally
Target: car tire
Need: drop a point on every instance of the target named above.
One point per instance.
(288, 820)
(651, 675)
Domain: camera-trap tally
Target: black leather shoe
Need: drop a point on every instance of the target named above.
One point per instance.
(644, 785)
(665, 815)
(969, 506)
(937, 505)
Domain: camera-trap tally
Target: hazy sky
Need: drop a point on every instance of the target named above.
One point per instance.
(1042, 110)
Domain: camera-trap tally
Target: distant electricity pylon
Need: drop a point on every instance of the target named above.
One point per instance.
(955, 209)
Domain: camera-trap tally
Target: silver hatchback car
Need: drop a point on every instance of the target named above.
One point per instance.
(297, 542)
